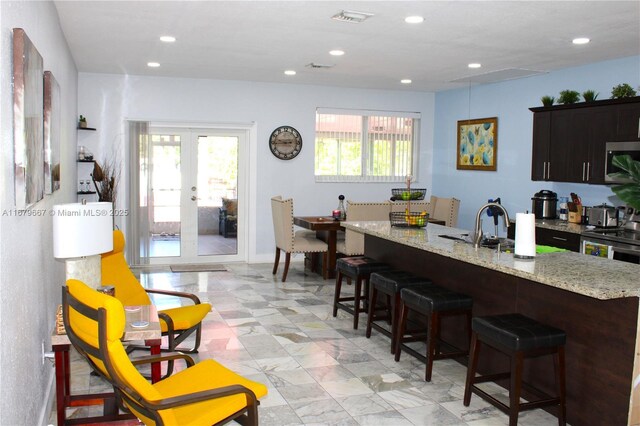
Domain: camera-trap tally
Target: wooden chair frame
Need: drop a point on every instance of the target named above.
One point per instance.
(246, 416)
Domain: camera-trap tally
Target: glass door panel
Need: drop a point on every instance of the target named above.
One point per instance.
(217, 195)
(166, 188)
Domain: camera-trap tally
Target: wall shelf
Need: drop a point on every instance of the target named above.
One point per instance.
(87, 128)
(86, 192)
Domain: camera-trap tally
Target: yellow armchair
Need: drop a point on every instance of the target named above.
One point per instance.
(203, 394)
(176, 323)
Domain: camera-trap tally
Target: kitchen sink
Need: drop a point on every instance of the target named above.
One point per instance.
(505, 244)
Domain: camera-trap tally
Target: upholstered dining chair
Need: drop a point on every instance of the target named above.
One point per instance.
(289, 241)
(205, 393)
(176, 323)
(353, 243)
(445, 209)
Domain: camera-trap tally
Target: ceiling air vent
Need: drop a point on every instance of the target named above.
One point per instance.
(319, 66)
(351, 16)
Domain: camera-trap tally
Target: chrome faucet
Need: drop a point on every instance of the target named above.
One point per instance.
(477, 237)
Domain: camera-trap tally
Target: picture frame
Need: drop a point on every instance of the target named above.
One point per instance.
(51, 133)
(28, 111)
(477, 147)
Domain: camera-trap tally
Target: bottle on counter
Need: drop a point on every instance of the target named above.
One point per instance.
(564, 208)
(341, 209)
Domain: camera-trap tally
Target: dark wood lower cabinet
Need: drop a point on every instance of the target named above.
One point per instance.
(551, 237)
(601, 334)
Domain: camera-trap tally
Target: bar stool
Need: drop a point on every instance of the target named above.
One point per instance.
(389, 283)
(434, 302)
(359, 269)
(518, 337)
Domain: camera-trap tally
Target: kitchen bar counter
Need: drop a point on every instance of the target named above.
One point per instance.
(595, 301)
(586, 275)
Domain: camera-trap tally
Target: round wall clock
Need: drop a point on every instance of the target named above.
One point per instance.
(285, 142)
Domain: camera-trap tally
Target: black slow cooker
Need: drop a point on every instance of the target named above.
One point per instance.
(544, 204)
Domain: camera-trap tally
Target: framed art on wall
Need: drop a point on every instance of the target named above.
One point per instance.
(477, 144)
(51, 133)
(28, 110)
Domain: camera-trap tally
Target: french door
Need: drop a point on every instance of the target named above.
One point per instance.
(195, 195)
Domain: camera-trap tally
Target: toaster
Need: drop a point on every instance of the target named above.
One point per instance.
(603, 216)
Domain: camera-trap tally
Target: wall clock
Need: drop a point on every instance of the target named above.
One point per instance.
(285, 142)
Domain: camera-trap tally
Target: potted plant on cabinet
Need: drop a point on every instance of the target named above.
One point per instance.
(568, 97)
(589, 95)
(622, 91)
(547, 100)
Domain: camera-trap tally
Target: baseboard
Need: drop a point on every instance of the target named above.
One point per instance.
(49, 396)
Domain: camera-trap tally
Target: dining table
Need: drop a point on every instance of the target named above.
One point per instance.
(326, 228)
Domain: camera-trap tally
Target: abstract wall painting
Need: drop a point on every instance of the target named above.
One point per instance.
(477, 144)
(51, 133)
(28, 111)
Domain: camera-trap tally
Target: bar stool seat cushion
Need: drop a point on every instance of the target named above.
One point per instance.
(391, 282)
(433, 298)
(517, 332)
(359, 265)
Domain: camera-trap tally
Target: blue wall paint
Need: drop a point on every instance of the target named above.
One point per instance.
(510, 102)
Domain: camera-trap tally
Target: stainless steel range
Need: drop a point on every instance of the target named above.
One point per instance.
(621, 243)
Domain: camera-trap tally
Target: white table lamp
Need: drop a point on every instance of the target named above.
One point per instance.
(81, 232)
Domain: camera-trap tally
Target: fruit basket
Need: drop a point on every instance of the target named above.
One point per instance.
(406, 194)
(409, 220)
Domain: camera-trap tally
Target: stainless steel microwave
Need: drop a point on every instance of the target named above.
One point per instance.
(619, 148)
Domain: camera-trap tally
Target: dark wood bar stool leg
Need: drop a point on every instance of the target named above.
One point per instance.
(432, 342)
(373, 300)
(559, 360)
(474, 353)
(515, 387)
(357, 300)
(402, 326)
(336, 293)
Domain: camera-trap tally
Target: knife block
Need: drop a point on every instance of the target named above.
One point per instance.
(576, 216)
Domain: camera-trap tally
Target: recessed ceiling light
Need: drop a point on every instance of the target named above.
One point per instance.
(414, 19)
(290, 72)
(153, 64)
(405, 81)
(168, 39)
(581, 40)
(336, 52)
(474, 65)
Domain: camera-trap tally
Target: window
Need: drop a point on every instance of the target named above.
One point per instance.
(365, 146)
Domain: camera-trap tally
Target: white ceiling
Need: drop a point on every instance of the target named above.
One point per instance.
(258, 40)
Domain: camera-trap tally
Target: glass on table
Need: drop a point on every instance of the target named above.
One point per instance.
(137, 316)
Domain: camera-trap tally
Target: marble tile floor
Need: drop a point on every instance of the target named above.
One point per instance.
(319, 370)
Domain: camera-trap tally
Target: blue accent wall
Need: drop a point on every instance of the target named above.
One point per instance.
(510, 102)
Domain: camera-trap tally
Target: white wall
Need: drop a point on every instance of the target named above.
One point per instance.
(107, 100)
(30, 277)
(510, 102)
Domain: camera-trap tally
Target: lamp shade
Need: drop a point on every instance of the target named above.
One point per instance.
(82, 229)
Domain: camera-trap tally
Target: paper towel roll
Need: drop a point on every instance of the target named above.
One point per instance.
(525, 236)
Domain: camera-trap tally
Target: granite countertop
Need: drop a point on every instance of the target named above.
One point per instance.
(559, 225)
(587, 275)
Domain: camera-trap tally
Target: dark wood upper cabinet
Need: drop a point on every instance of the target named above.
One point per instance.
(628, 123)
(569, 140)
